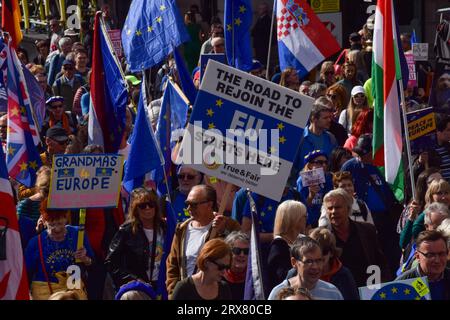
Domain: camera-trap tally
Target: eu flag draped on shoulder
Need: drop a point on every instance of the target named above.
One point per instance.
(11, 18)
(238, 20)
(144, 153)
(13, 275)
(151, 31)
(22, 156)
(172, 119)
(303, 40)
(109, 95)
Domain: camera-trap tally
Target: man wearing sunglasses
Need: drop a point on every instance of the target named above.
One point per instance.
(56, 116)
(187, 179)
(431, 253)
(190, 236)
(68, 84)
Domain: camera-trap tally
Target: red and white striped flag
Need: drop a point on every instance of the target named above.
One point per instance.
(13, 275)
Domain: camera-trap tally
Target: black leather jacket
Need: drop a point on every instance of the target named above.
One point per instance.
(128, 256)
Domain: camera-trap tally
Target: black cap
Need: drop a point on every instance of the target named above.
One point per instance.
(355, 37)
(364, 145)
(57, 133)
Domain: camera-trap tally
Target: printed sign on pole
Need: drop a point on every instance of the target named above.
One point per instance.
(421, 129)
(412, 82)
(85, 181)
(116, 40)
(410, 289)
(420, 51)
(245, 130)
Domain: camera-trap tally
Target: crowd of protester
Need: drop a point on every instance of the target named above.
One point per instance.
(317, 242)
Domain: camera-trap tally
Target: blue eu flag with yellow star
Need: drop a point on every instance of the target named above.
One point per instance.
(238, 20)
(151, 31)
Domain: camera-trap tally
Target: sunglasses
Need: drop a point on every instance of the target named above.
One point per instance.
(56, 106)
(220, 266)
(194, 205)
(321, 162)
(148, 204)
(237, 251)
(182, 176)
(332, 96)
(360, 95)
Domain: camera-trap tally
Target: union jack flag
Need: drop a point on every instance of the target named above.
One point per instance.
(22, 156)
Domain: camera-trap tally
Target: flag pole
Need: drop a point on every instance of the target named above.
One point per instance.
(270, 40)
(408, 145)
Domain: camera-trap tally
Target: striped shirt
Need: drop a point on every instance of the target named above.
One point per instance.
(445, 162)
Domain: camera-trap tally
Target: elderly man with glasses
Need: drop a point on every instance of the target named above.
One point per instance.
(307, 258)
(190, 236)
(68, 84)
(431, 253)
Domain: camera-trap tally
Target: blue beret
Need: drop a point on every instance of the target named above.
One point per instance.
(314, 154)
(54, 99)
(136, 286)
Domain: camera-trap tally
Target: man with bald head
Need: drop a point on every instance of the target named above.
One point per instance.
(190, 236)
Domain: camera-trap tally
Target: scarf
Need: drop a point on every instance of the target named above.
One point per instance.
(64, 120)
(335, 266)
(233, 277)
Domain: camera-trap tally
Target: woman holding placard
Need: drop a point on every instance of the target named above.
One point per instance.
(313, 183)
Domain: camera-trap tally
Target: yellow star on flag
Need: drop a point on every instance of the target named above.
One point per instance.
(211, 126)
(406, 291)
(280, 126)
(162, 7)
(149, 29)
(33, 165)
(417, 298)
(394, 290)
(242, 9)
(23, 110)
(15, 111)
(66, 172)
(159, 19)
(138, 33)
(103, 171)
(229, 27)
(237, 21)
(269, 208)
(263, 214)
(165, 117)
(282, 140)
(219, 103)
(23, 166)
(210, 112)
(383, 295)
(11, 150)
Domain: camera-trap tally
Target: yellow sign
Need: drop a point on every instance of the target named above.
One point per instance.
(421, 126)
(421, 287)
(323, 6)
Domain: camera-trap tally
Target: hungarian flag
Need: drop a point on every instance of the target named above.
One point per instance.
(11, 20)
(13, 275)
(386, 71)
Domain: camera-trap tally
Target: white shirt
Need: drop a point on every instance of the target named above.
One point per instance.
(195, 239)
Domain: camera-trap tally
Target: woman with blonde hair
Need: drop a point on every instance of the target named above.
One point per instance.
(137, 249)
(358, 102)
(207, 283)
(438, 191)
(290, 222)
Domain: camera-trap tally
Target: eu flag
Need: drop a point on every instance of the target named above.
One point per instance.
(186, 81)
(151, 31)
(108, 93)
(144, 153)
(238, 20)
(172, 119)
